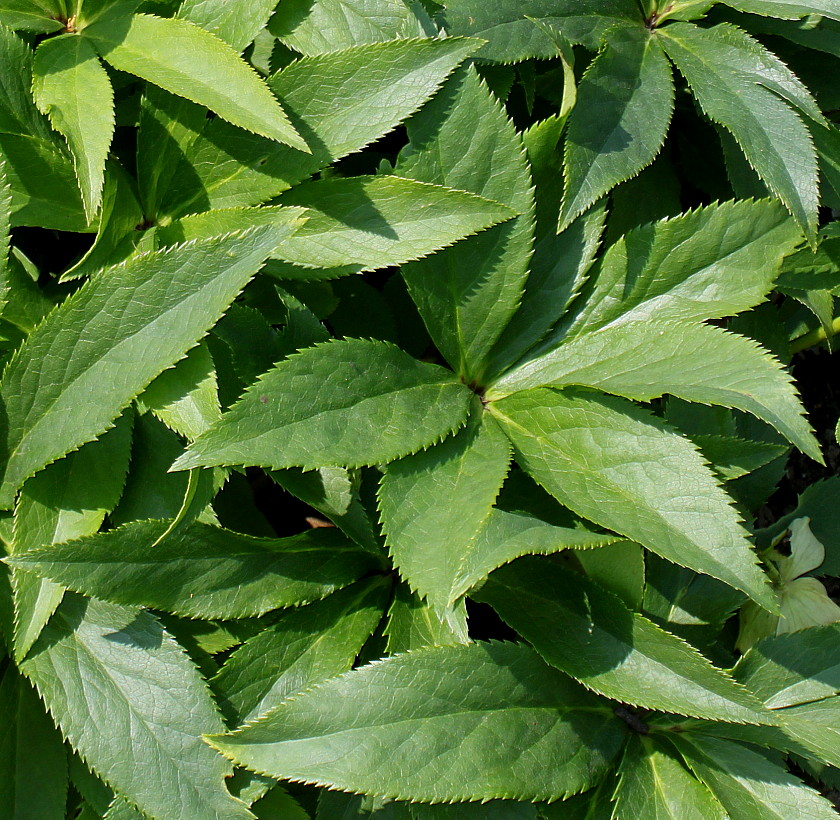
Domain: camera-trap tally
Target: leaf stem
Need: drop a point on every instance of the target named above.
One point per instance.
(815, 337)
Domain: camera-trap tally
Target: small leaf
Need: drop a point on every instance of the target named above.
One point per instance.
(794, 668)
(458, 724)
(31, 15)
(618, 126)
(304, 647)
(96, 660)
(716, 62)
(33, 763)
(591, 635)
(191, 62)
(149, 311)
(202, 571)
(747, 784)
(237, 22)
(816, 726)
(363, 223)
(72, 88)
(321, 26)
(343, 403)
(654, 785)
(787, 9)
(602, 456)
(434, 505)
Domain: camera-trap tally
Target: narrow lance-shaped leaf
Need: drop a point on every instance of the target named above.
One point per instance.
(466, 294)
(591, 635)
(696, 362)
(654, 785)
(5, 227)
(237, 22)
(67, 500)
(340, 102)
(33, 762)
(72, 88)
(619, 466)
(343, 403)
(431, 539)
(306, 646)
(129, 700)
(773, 138)
(457, 725)
(787, 9)
(749, 785)
(363, 223)
(202, 571)
(104, 344)
(620, 120)
(193, 63)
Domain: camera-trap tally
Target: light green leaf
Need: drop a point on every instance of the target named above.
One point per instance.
(467, 293)
(738, 85)
(306, 646)
(202, 571)
(67, 500)
(787, 9)
(128, 699)
(816, 726)
(320, 26)
(794, 668)
(644, 360)
(146, 313)
(341, 102)
(33, 763)
(747, 784)
(705, 264)
(5, 227)
(342, 403)
(413, 624)
(458, 724)
(191, 62)
(591, 635)
(363, 223)
(654, 785)
(72, 88)
(512, 37)
(430, 539)
(618, 126)
(619, 466)
(237, 22)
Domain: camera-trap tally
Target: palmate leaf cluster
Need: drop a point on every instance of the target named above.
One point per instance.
(504, 294)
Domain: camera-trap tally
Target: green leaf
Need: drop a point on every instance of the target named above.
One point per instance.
(654, 785)
(816, 726)
(591, 635)
(747, 784)
(431, 539)
(67, 500)
(793, 668)
(734, 457)
(618, 126)
(341, 102)
(306, 646)
(619, 568)
(33, 763)
(458, 724)
(320, 26)
(31, 15)
(413, 624)
(237, 22)
(5, 227)
(149, 311)
(344, 403)
(645, 360)
(737, 84)
(202, 571)
(466, 294)
(363, 223)
(603, 457)
(512, 37)
(191, 62)
(705, 264)
(787, 9)
(96, 659)
(72, 88)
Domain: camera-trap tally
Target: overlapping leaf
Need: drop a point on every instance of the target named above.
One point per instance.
(202, 571)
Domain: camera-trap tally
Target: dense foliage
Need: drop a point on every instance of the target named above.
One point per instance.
(392, 398)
